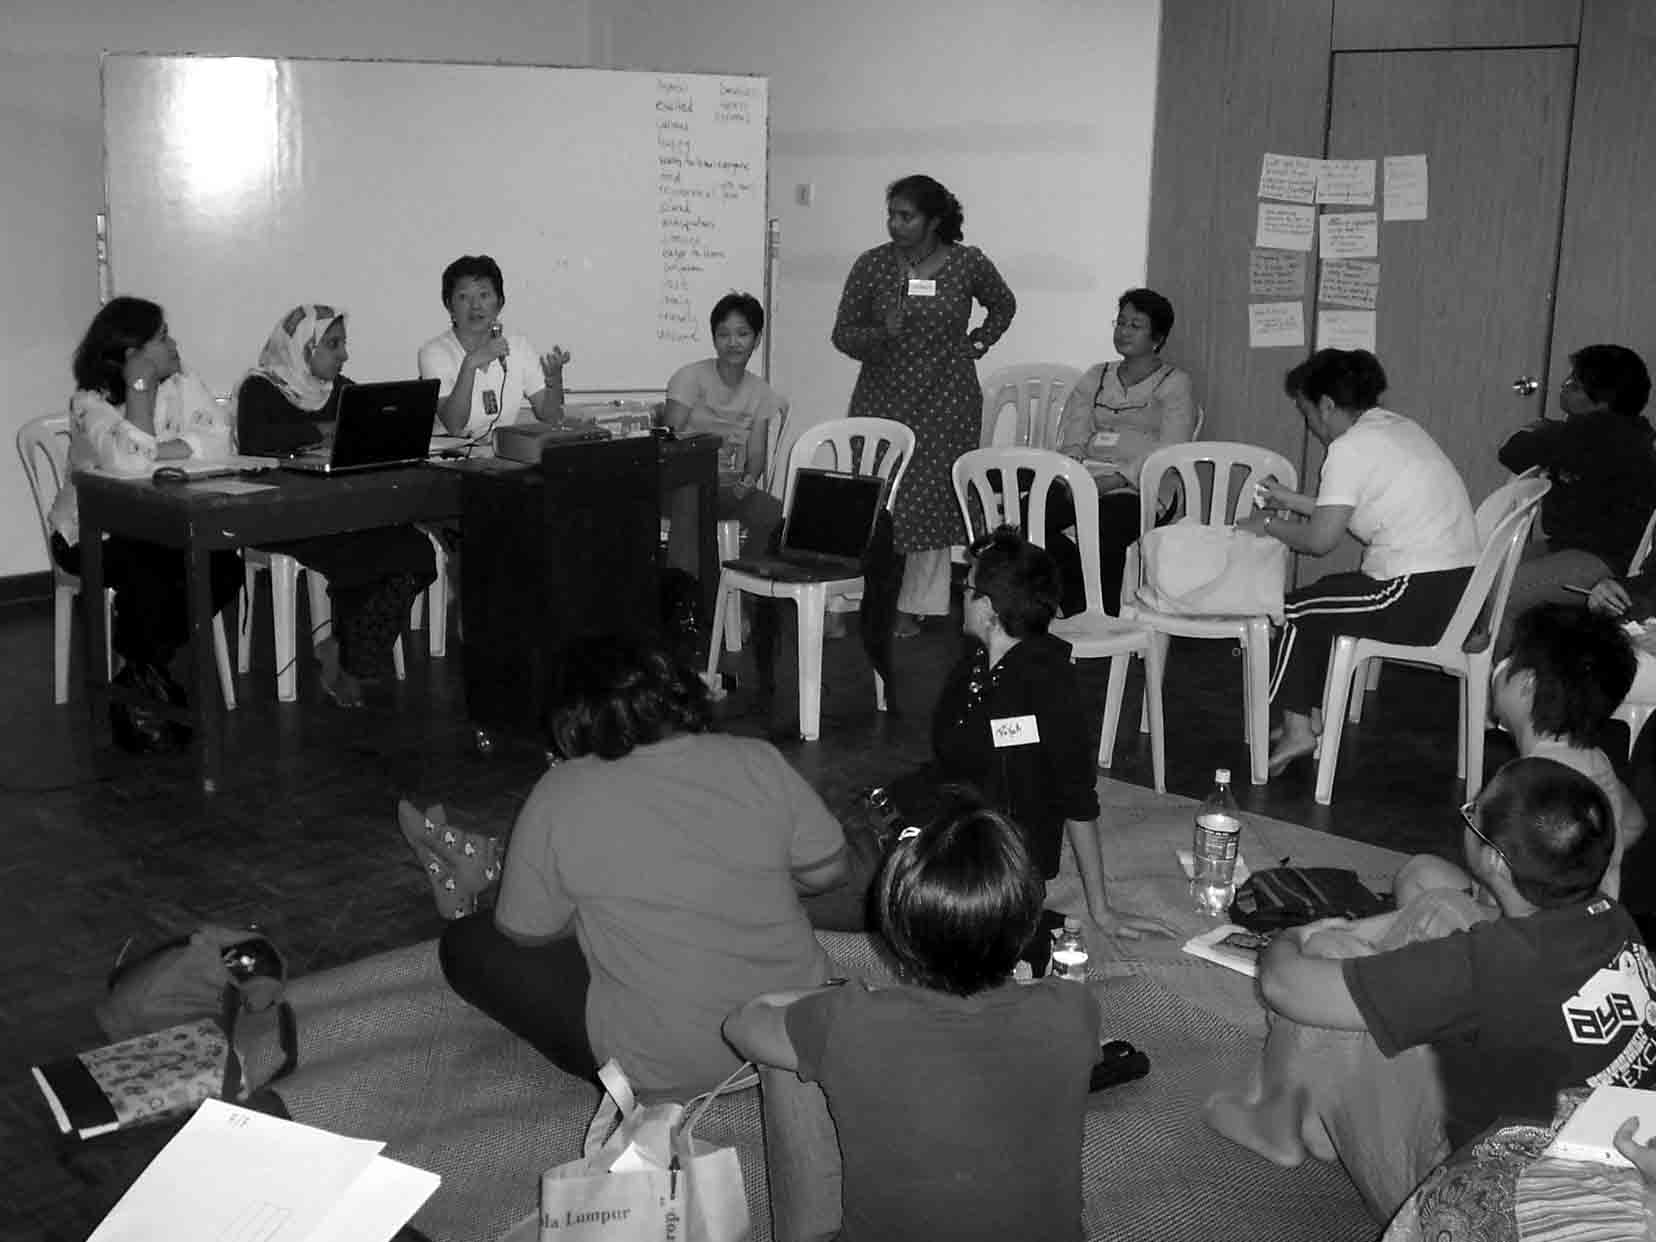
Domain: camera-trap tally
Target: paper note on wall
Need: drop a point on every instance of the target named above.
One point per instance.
(1274, 325)
(1291, 178)
(1345, 329)
(1406, 182)
(1346, 183)
(1285, 226)
(1276, 273)
(1350, 235)
(1348, 282)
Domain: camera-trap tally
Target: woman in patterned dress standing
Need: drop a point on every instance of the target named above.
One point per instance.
(905, 314)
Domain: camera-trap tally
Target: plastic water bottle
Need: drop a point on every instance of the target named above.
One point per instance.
(1213, 850)
(1069, 953)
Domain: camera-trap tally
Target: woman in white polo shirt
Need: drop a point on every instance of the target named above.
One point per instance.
(486, 373)
(1386, 481)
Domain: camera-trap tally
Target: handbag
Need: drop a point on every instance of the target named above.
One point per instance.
(644, 1176)
(1282, 897)
(194, 976)
(1192, 569)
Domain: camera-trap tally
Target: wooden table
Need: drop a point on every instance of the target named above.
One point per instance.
(200, 521)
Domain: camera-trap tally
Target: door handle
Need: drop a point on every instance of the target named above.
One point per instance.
(1526, 385)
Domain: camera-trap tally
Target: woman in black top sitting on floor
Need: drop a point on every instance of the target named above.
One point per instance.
(1010, 722)
(290, 401)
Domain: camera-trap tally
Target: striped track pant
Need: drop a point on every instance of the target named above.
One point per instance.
(1412, 608)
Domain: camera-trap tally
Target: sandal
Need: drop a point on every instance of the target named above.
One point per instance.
(339, 687)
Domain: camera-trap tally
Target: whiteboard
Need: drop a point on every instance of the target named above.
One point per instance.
(620, 205)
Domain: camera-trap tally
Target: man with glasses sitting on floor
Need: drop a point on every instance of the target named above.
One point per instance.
(1399, 1038)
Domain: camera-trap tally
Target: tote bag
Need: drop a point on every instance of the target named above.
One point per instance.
(1192, 569)
(644, 1177)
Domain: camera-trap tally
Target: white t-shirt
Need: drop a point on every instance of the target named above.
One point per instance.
(1409, 506)
(440, 359)
(723, 411)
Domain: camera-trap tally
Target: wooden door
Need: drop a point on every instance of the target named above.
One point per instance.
(1465, 301)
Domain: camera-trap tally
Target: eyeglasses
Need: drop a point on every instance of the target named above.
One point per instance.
(1469, 812)
(1570, 384)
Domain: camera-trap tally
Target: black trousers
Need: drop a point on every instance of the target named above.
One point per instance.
(152, 618)
(1118, 528)
(538, 992)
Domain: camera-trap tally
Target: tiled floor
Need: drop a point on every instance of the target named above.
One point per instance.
(100, 847)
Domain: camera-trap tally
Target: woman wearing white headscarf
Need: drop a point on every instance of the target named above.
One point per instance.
(289, 402)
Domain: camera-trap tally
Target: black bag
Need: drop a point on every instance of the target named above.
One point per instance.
(1293, 896)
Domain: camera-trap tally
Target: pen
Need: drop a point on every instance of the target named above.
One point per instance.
(1577, 590)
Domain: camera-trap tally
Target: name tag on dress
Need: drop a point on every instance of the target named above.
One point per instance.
(1106, 439)
(1014, 731)
(491, 403)
(918, 288)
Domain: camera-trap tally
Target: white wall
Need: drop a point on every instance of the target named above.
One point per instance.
(1037, 113)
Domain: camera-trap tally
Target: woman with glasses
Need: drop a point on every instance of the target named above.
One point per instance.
(1116, 416)
(1602, 463)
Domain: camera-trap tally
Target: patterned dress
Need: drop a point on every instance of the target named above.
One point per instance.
(926, 377)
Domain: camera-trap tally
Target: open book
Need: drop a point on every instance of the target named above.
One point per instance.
(1235, 948)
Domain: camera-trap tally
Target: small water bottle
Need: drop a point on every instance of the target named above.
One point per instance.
(1213, 849)
(1069, 952)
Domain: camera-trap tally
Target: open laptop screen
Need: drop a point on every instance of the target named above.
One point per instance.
(832, 514)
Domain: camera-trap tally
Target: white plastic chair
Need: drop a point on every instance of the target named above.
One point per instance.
(1487, 516)
(43, 444)
(860, 446)
(730, 530)
(284, 574)
(1036, 391)
(435, 600)
(1217, 479)
(1465, 649)
(1640, 704)
(987, 479)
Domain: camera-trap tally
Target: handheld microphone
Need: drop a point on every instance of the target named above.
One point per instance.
(496, 330)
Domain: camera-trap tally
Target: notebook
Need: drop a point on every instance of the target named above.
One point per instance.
(379, 425)
(1590, 1132)
(826, 531)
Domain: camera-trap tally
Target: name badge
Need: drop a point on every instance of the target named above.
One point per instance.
(918, 288)
(1014, 731)
(491, 403)
(1106, 439)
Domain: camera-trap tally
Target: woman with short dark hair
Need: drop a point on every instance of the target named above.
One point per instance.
(1601, 458)
(905, 315)
(720, 396)
(652, 881)
(135, 408)
(1117, 414)
(474, 396)
(1386, 482)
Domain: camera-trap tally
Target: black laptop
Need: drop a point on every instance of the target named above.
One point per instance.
(826, 531)
(379, 425)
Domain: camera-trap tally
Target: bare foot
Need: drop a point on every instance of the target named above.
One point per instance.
(1268, 1127)
(1293, 743)
(342, 689)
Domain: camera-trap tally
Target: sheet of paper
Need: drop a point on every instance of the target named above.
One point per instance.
(379, 1203)
(1291, 178)
(1349, 235)
(231, 1175)
(1276, 325)
(1346, 183)
(1348, 282)
(1276, 273)
(1345, 329)
(1406, 187)
(1285, 226)
(231, 487)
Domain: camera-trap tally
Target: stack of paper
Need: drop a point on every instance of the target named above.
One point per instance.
(234, 1174)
